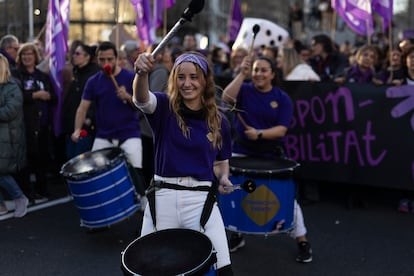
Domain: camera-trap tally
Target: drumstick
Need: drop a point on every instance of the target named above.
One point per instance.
(248, 186)
(246, 126)
(256, 29)
(108, 71)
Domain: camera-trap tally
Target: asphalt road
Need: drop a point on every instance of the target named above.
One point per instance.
(374, 240)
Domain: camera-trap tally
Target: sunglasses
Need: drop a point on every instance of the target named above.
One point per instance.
(77, 53)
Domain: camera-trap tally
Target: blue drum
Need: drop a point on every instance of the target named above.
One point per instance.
(175, 251)
(101, 187)
(267, 210)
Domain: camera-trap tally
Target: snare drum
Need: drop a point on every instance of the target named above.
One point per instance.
(269, 209)
(101, 187)
(170, 252)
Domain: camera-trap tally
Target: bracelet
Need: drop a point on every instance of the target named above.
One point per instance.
(259, 135)
(140, 72)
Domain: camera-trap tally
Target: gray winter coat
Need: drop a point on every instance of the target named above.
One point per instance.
(12, 135)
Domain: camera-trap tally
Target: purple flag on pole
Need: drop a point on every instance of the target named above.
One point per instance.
(143, 21)
(384, 9)
(356, 13)
(235, 21)
(159, 7)
(56, 46)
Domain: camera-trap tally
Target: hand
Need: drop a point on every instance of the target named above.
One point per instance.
(251, 133)
(123, 94)
(246, 66)
(224, 181)
(144, 64)
(75, 135)
(42, 95)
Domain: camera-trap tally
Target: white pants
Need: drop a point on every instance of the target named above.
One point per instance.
(299, 228)
(182, 209)
(132, 148)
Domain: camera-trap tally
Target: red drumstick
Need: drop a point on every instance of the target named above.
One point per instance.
(108, 71)
(246, 126)
(83, 133)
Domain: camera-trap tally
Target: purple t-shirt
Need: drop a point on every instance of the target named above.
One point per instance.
(176, 155)
(261, 111)
(114, 118)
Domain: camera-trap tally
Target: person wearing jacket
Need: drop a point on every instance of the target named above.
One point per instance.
(38, 100)
(12, 140)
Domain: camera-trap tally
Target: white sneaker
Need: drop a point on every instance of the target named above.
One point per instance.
(3, 208)
(21, 206)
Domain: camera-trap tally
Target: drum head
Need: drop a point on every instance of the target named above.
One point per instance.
(90, 162)
(169, 252)
(262, 166)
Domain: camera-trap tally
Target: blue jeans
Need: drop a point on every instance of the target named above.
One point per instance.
(8, 183)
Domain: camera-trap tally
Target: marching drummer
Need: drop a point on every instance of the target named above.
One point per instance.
(260, 126)
(192, 148)
(117, 120)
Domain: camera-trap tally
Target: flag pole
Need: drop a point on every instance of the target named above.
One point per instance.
(333, 26)
(368, 35)
(116, 24)
(164, 20)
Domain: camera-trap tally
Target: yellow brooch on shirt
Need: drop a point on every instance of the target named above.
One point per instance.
(210, 137)
(273, 104)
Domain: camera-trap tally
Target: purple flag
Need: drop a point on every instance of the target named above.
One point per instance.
(159, 7)
(356, 13)
(235, 21)
(56, 46)
(384, 9)
(145, 29)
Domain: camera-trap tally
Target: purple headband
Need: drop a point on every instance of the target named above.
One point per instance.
(196, 59)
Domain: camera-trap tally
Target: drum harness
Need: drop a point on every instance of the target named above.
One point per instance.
(208, 205)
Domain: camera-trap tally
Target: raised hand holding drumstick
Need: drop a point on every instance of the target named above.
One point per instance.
(255, 29)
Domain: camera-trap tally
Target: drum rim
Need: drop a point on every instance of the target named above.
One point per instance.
(74, 175)
(198, 233)
(290, 169)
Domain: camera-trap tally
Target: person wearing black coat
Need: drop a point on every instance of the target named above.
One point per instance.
(38, 101)
(83, 68)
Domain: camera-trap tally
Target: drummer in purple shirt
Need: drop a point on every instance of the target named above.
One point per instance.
(117, 119)
(192, 148)
(265, 114)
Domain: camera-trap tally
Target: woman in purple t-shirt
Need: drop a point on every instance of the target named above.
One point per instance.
(260, 128)
(192, 147)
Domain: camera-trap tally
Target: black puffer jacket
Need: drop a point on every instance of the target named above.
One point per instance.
(12, 139)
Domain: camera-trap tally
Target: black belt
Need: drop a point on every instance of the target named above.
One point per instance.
(208, 206)
(156, 185)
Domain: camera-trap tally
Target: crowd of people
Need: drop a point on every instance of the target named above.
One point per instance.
(160, 109)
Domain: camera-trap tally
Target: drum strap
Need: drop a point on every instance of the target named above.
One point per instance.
(208, 205)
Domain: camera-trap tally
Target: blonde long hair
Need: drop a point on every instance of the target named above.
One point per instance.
(208, 101)
(4, 69)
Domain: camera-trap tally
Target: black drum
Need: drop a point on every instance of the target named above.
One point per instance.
(169, 252)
